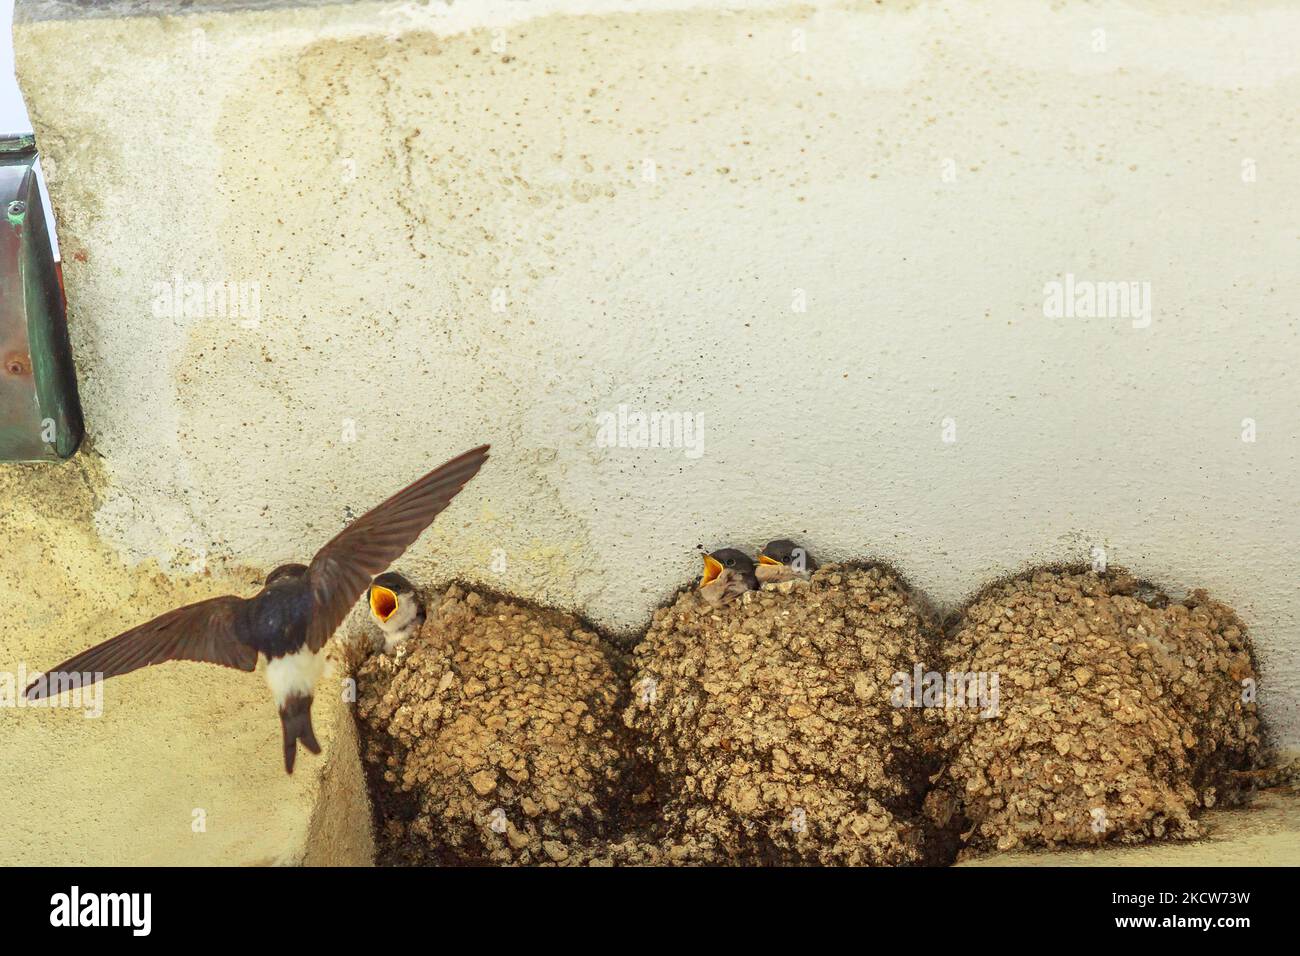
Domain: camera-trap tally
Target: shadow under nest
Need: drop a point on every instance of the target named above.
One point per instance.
(809, 723)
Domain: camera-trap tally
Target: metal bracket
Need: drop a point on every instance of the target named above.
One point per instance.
(40, 412)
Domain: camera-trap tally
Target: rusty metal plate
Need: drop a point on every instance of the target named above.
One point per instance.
(40, 413)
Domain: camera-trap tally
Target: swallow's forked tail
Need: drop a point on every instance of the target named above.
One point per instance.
(295, 719)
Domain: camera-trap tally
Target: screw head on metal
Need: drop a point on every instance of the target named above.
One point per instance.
(17, 207)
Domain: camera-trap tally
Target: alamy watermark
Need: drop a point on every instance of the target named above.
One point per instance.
(1073, 298)
(182, 299)
(85, 690)
(977, 690)
(75, 908)
(632, 428)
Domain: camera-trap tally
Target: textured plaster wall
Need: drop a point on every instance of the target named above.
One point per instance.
(378, 170)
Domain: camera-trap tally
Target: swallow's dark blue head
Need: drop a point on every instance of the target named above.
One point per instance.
(387, 592)
(715, 562)
(786, 552)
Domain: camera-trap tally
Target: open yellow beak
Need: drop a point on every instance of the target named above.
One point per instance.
(383, 603)
(712, 568)
(764, 559)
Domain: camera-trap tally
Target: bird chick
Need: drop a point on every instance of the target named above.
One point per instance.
(728, 573)
(396, 608)
(783, 560)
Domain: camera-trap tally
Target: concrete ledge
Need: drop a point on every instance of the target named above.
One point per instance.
(1266, 833)
(341, 833)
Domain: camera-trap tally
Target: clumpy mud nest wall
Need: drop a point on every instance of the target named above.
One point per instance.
(770, 730)
(770, 724)
(493, 736)
(1121, 714)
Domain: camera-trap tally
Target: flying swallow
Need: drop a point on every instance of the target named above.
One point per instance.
(396, 608)
(783, 560)
(291, 618)
(728, 573)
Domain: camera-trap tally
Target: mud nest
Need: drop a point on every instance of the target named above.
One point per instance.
(493, 737)
(771, 730)
(770, 724)
(1121, 714)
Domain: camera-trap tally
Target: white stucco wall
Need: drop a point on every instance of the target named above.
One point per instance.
(919, 171)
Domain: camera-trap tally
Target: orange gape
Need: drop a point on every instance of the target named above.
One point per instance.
(383, 602)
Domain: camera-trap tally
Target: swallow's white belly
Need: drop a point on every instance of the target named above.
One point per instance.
(294, 675)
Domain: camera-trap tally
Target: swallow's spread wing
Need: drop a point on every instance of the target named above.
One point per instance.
(197, 632)
(341, 571)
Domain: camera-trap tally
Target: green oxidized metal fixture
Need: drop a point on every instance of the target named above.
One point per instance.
(40, 414)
